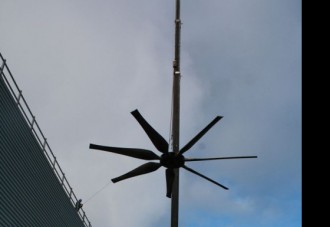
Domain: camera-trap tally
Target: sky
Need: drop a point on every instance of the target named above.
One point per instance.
(83, 66)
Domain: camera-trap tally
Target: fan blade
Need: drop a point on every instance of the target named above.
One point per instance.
(214, 182)
(199, 135)
(143, 169)
(132, 152)
(206, 159)
(169, 182)
(158, 141)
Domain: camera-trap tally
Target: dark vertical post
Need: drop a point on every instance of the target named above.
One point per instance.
(176, 116)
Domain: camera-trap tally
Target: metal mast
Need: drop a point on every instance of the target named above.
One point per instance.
(174, 159)
(176, 116)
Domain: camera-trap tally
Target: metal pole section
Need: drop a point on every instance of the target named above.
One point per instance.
(176, 116)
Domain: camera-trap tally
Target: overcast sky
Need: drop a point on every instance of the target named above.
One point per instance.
(83, 66)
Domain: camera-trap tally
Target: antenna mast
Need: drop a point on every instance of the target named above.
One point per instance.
(176, 116)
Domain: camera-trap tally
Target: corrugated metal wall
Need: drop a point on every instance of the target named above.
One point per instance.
(30, 193)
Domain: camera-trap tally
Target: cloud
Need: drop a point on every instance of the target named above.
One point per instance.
(83, 66)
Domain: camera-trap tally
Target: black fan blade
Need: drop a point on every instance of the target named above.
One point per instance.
(158, 141)
(214, 182)
(199, 135)
(169, 182)
(206, 159)
(143, 169)
(132, 152)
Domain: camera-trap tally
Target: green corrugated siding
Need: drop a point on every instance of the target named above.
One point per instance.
(30, 193)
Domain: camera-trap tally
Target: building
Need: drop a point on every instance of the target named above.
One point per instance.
(33, 188)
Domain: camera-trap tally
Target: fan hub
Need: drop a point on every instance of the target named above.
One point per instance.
(172, 160)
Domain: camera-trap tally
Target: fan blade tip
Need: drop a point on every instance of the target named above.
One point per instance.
(114, 180)
(134, 111)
